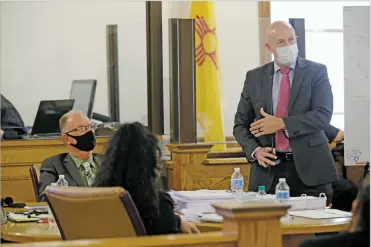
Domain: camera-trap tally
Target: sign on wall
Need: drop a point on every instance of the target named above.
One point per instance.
(356, 23)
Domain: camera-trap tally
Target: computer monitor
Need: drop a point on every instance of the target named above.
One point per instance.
(48, 115)
(83, 92)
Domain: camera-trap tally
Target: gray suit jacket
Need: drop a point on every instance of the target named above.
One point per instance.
(62, 164)
(310, 111)
(331, 132)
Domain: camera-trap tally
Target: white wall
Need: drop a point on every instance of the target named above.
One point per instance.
(46, 45)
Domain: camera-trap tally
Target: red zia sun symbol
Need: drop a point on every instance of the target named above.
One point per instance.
(207, 36)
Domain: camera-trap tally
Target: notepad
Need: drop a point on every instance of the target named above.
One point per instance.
(211, 218)
(37, 207)
(321, 214)
(21, 218)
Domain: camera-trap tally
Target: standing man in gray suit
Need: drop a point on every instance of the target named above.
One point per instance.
(79, 165)
(284, 108)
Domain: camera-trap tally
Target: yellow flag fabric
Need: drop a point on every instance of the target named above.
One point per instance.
(208, 84)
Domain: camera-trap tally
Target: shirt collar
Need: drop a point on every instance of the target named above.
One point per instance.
(277, 67)
(79, 161)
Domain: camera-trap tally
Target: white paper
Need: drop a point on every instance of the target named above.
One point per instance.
(321, 214)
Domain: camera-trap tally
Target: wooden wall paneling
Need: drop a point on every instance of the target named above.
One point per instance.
(264, 10)
(190, 169)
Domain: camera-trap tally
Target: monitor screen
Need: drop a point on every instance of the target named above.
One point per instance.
(48, 115)
(83, 92)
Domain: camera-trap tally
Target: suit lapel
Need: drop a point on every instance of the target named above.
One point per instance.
(267, 83)
(98, 158)
(72, 169)
(300, 71)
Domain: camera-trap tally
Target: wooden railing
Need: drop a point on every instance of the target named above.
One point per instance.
(196, 166)
(191, 169)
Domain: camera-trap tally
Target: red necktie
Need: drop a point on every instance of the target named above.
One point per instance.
(282, 142)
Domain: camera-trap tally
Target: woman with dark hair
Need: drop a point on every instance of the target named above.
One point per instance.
(358, 234)
(132, 161)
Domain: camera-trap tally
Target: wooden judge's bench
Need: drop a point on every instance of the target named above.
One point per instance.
(17, 156)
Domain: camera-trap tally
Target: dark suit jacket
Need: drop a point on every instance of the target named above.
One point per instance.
(62, 164)
(346, 239)
(309, 112)
(167, 222)
(331, 132)
(11, 122)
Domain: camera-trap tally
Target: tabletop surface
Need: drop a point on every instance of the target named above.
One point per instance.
(34, 232)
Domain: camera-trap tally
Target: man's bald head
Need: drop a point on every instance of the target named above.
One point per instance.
(279, 29)
(72, 120)
(280, 34)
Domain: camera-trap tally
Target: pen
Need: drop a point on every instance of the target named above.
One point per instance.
(43, 221)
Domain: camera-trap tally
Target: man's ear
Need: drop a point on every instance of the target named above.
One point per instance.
(66, 139)
(268, 46)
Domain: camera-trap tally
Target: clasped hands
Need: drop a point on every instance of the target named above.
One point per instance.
(267, 125)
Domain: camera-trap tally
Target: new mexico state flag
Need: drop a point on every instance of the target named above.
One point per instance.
(208, 85)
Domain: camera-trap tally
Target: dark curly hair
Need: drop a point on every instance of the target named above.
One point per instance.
(131, 161)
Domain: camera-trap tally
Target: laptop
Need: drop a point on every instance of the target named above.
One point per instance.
(47, 118)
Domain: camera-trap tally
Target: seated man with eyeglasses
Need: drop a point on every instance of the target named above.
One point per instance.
(79, 165)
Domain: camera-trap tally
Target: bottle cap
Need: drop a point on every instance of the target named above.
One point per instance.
(282, 179)
(237, 169)
(261, 187)
(61, 176)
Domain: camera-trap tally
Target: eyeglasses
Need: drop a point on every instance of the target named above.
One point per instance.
(81, 129)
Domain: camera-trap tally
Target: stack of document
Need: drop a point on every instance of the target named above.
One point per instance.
(199, 200)
(301, 203)
(196, 205)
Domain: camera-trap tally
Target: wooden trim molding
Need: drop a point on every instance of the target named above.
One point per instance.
(264, 11)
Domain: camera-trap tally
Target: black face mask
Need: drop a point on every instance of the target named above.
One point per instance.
(86, 142)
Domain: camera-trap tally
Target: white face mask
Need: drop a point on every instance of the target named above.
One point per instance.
(287, 55)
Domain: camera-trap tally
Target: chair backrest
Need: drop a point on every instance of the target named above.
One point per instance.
(35, 175)
(88, 213)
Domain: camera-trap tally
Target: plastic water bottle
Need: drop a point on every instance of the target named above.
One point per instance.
(261, 192)
(282, 190)
(62, 181)
(237, 183)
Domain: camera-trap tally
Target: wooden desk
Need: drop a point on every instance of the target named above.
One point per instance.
(17, 156)
(294, 230)
(294, 226)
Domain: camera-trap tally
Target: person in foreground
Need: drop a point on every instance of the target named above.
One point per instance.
(359, 231)
(132, 161)
(283, 110)
(79, 165)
